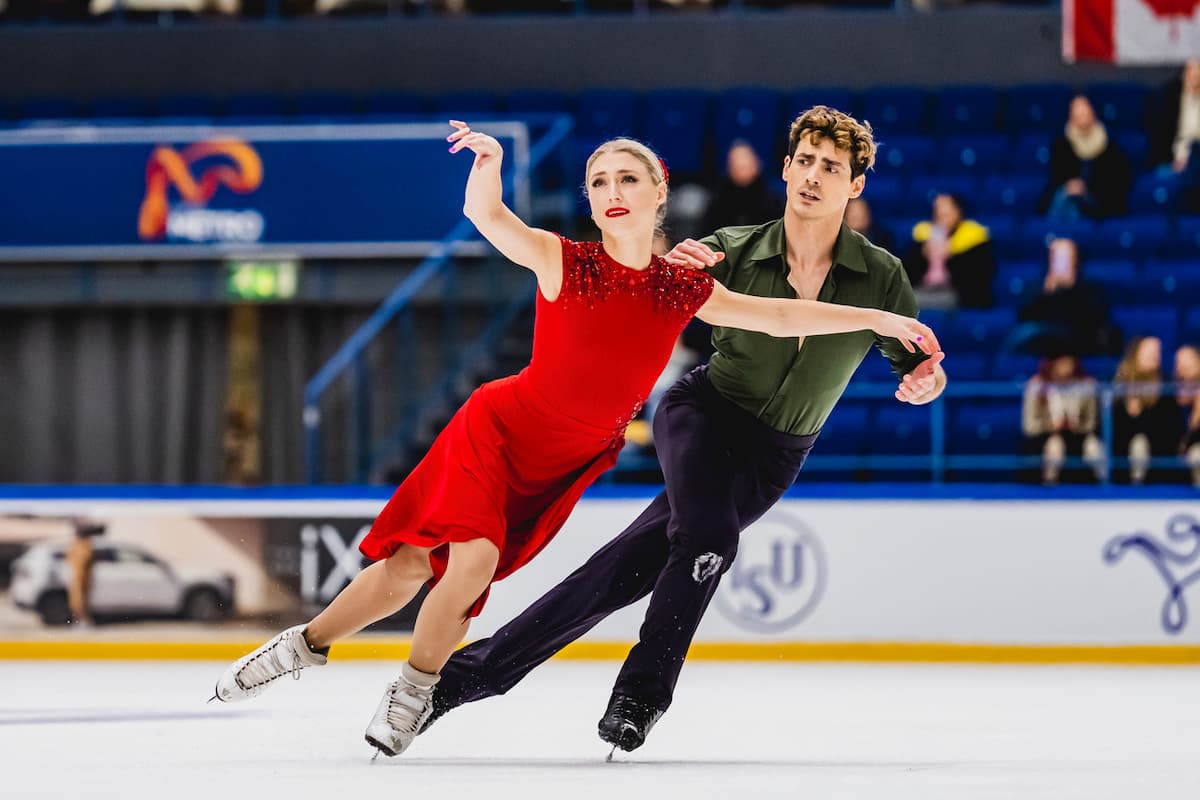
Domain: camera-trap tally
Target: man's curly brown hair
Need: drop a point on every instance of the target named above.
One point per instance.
(822, 122)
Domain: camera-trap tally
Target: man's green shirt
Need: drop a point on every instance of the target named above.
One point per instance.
(794, 389)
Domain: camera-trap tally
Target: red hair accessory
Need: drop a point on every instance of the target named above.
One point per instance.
(666, 174)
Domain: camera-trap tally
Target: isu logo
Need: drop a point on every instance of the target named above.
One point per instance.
(778, 577)
(239, 169)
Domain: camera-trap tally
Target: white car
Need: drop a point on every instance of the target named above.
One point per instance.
(126, 582)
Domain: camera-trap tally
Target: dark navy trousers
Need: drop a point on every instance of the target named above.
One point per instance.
(723, 469)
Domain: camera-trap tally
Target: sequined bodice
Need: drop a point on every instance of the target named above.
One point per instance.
(601, 345)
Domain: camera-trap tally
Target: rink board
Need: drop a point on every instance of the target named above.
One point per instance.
(1087, 580)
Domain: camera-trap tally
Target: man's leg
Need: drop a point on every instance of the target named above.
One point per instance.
(718, 484)
(620, 573)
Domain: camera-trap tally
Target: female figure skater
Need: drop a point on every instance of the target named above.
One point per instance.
(501, 479)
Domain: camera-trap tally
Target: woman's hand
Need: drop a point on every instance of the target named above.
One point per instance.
(909, 331)
(487, 150)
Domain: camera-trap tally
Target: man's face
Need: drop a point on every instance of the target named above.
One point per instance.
(1191, 75)
(1082, 115)
(946, 213)
(742, 164)
(819, 183)
(858, 215)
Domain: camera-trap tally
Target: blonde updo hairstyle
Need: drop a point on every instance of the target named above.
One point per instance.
(643, 154)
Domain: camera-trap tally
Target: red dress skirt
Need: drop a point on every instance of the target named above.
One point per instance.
(515, 459)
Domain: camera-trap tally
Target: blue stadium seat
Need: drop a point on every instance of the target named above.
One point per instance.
(846, 431)
(1102, 368)
(966, 109)
(900, 430)
(1161, 321)
(1010, 367)
(753, 116)
(675, 126)
(1031, 152)
(1136, 146)
(803, 99)
(980, 155)
(980, 331)
(1170, 282)
(1002, 230)
(1186, 241)
(874, 369)
(1121, 106)
(537, 102)
(1015, 194)
(1037, 233)
(936, 318)
(907, 155)
(1154, 194)
(967, 366)
(990, 427)
(603, 113)
(393, 103)
(901, 229)
(923, 188)
(1191, 326)
(895, 110)
(1129, 236)
(887, 195)
(1017, 280)
(1118, 276)
(1037, 108)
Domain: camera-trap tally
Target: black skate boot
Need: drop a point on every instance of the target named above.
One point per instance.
(627, 722)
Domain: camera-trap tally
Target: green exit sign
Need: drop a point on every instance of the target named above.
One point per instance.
(262, 279)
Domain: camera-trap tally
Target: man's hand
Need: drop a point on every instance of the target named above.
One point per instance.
(922, 384)
(690, 253)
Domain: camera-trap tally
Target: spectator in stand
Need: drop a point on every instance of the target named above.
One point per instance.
(860, 220)
(1178, 131)
(1059, 416)
(1143, 423)
(743, 197)
(950, 261)
(1090, 176)
(1187, 389)
(1070, 315)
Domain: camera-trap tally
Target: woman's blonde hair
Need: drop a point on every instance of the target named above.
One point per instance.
(1129, 372)
(642, 153)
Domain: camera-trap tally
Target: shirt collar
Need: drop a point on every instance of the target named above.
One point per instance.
(847, 250)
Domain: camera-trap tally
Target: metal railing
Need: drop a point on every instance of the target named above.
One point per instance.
(942, 459)
(366, 448)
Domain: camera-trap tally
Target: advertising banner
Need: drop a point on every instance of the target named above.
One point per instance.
(1000, 573)
(192, 192)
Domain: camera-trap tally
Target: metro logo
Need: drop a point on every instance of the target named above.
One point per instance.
(168, 167)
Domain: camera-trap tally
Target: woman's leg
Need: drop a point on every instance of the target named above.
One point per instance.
(442, 622)
(1139, 458)
(1054, 453)
(378, 591)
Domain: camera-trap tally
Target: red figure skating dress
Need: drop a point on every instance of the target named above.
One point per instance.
(514, 460)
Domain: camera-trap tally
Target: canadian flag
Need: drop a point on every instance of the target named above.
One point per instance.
(1131, 31)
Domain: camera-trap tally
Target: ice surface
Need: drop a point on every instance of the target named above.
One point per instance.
(738, 731)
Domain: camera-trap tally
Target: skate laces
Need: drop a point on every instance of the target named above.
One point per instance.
(407, 705)
(268, 665)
